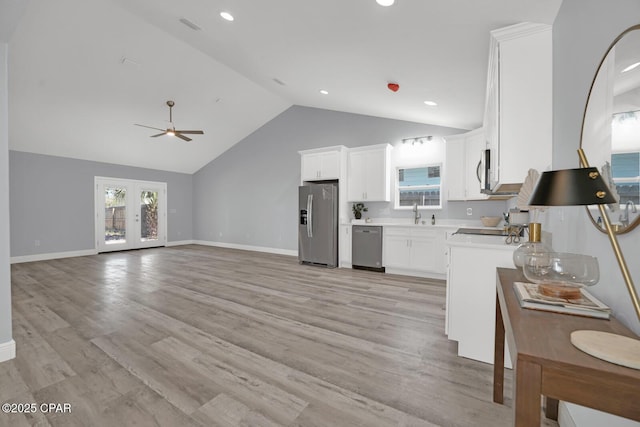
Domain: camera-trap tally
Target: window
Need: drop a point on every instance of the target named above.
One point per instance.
(419, 185)
(625, 171)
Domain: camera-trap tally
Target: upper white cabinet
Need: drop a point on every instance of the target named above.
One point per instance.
(463, 165)
(322, 163)
(455, 168)
(368, 173)
(474, 145)
(517, 119)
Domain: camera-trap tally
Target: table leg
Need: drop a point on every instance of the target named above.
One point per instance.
(498, 357)
(528, 387)
(551, 408)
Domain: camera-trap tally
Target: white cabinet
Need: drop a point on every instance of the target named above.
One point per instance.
(518, 109)
(471, 296)
(345, 246)
(414, 251)
(396, 247)
(368, 174)
(463, 165)
(455, 177)
(321, 164)
(475, 144)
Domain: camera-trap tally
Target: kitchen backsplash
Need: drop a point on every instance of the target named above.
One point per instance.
(452, 210)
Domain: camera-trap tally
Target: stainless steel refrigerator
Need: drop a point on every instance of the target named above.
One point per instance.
(318, 224)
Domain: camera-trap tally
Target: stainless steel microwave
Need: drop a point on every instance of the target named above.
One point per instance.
(484, 171)
(489, 184)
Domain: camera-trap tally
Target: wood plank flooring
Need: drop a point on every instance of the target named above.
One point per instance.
(201, 336)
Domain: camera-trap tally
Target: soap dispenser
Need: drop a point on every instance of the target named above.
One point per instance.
(433, 219)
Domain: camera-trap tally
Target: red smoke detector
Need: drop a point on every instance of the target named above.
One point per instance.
(393, 87)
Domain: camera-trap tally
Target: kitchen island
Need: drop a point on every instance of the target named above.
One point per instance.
(471, 292)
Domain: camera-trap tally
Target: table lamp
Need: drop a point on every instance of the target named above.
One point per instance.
(585, 186)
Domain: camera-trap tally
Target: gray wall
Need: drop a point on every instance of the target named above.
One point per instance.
(583, 30)
(248, 195)
(52, 200)
(5, 275)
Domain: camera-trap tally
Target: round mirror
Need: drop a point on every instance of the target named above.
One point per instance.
(611, 130)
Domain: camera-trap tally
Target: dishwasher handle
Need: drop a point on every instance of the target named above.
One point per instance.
(366, 230)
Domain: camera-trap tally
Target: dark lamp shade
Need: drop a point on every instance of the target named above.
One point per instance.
(570, 187)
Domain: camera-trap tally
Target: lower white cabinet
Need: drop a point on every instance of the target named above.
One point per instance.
(414, 251)
(344, 250)
(471, 298)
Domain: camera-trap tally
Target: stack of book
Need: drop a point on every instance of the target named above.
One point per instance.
(586, 305)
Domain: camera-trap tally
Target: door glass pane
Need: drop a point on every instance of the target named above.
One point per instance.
(115, 215)
(148, 215)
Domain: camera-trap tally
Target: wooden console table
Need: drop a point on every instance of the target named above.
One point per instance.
(547, 364)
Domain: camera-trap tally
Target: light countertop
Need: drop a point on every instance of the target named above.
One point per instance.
(423, 223)
(482, 242)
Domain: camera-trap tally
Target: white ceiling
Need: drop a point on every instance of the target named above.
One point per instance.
(71, 94)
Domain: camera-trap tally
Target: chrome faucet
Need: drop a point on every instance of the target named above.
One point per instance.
(624, 216)
(416, 214)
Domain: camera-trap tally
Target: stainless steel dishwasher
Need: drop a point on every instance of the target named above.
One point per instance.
(366, 247)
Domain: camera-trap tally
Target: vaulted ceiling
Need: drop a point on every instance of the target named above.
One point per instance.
(82, 72)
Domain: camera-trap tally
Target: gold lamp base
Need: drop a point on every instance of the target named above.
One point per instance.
(613, 348)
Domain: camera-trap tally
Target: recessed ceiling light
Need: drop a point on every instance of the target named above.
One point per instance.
(227, 16)
(631, 67)
(324, 92)
(430, 103)
(385, 2)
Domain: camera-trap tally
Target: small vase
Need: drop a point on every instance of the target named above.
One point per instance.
(533, 246)
(358, 215)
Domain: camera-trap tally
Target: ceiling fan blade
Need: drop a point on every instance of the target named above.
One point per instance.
(195, 132)
(150, 127)
(182, 137)
(160, 134)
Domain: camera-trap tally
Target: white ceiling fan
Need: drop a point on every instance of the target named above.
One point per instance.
(172, 131)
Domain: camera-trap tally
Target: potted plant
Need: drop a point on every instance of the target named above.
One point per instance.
(357, 209)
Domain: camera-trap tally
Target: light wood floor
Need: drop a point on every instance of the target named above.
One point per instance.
(203, 336)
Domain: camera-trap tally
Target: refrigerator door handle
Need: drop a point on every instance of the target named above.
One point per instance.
(310, 215)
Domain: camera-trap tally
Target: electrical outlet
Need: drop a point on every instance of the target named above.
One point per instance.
(469, 211)
(36, 243)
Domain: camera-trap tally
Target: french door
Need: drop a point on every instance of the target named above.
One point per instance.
(130, 214)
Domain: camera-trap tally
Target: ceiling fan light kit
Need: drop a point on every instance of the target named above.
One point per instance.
(172, 131)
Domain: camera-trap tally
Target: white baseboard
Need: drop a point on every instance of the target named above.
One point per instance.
(7, 350)
(52, 255)
(57, 255)
(180, 243)
(416, 273)
(248, 247)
